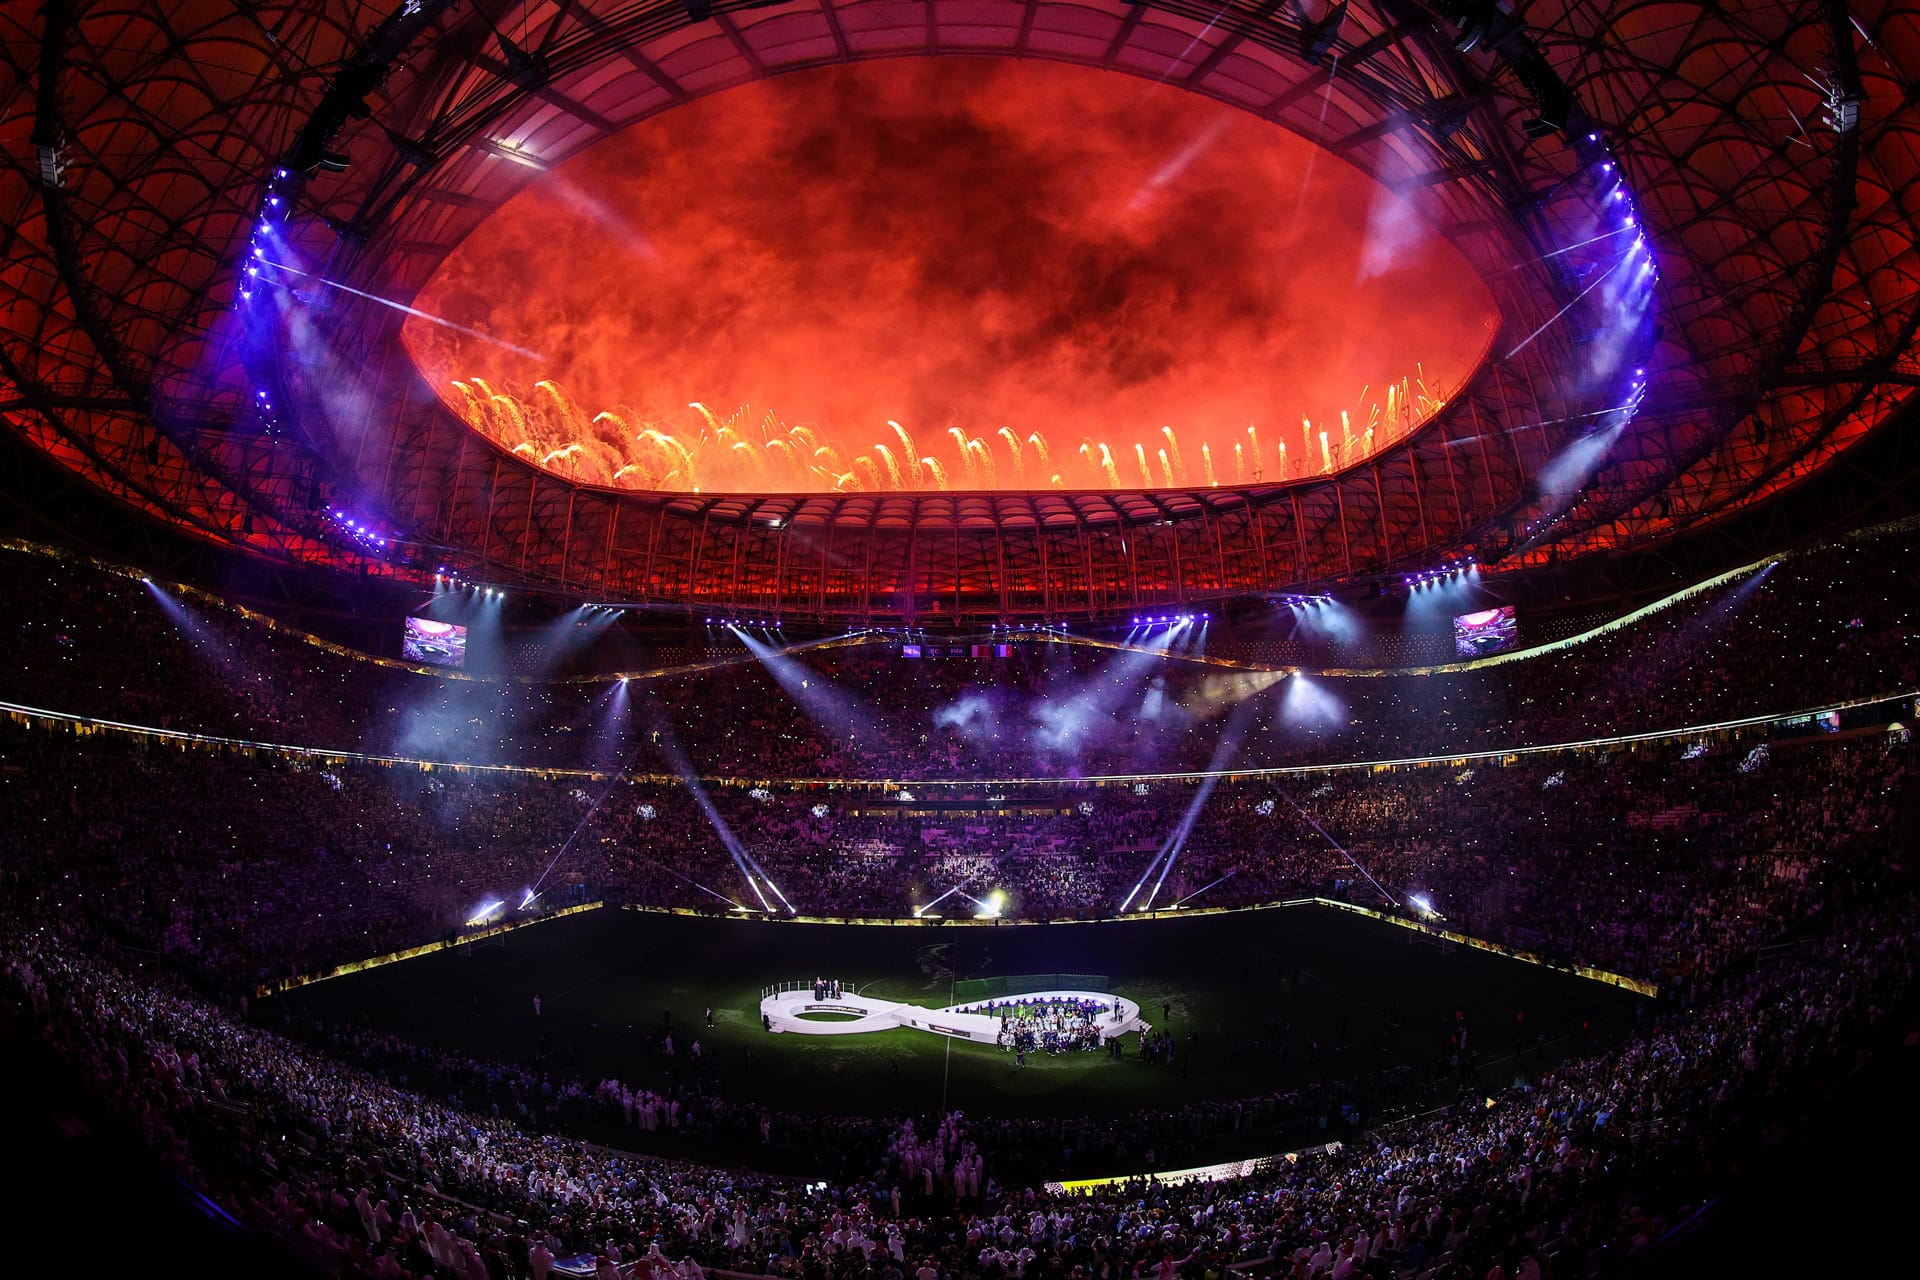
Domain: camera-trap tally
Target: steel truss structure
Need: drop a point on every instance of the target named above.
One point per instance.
(1770, 147)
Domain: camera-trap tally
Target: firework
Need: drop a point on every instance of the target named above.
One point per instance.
(1019, 455)
(742, 452)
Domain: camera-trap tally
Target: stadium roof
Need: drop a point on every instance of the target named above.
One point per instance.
(1769, 147)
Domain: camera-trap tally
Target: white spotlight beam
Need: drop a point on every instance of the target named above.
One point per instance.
(683, 769)
(688, 880)
(1140, 884)
(755, 886)
(771, 885)
(1223, 751)
(1203, 888)
(1338, 847)
(942, 898)
(404, 308)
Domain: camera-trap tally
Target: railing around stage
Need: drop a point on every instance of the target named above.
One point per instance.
(808, 984)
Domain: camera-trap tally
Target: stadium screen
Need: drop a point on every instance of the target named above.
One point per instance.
(1488, 631)
(443, 643)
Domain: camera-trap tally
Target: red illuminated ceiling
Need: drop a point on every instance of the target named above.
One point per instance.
(144, 131)
(1050, 277)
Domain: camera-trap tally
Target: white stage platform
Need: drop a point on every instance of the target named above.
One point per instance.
(799, 1013)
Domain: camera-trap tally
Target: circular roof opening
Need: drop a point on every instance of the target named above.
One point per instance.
(950, 274)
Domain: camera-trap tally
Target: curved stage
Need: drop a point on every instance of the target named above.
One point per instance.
(853, 1014)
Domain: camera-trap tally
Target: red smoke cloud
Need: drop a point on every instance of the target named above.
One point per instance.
(954, 242)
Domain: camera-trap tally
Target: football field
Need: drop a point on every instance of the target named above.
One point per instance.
(1258, 1001)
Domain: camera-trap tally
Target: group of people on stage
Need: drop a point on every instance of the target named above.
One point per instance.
(826, 989)
(1054, 1025)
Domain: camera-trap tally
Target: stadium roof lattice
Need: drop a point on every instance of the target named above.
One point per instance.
(1771, 147)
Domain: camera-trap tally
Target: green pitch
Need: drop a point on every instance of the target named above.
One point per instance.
(1259, 1001)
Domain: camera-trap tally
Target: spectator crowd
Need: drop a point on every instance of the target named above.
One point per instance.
(1643, 862)
(1824, 627)
(1681, 859)
(1562, 1175)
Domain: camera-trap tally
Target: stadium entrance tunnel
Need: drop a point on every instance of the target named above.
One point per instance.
(950, 273)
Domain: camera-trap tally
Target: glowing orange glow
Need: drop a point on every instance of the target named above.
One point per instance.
(950, 273)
